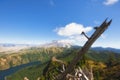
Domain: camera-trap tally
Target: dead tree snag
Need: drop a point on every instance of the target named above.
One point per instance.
(98, 31)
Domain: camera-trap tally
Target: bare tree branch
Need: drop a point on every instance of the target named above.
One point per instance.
(84, 49)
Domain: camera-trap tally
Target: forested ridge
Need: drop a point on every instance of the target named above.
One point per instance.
(105, 64)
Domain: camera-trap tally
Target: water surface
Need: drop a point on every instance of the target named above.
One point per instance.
(12, 70)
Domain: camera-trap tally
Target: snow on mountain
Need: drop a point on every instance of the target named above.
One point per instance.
(9, 48)
(56, 43)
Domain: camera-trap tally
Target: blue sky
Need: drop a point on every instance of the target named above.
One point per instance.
(41, 21)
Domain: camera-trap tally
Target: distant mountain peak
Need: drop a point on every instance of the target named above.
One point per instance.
(56, 43)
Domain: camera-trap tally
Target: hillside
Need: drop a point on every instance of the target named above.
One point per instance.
(29, 55)
(16, 54)
(100, 61)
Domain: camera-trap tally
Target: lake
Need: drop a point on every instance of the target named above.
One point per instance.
(12, 70)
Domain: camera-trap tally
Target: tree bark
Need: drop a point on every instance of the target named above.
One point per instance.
(84, 49)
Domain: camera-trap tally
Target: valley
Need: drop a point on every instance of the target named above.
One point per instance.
(12, 70)
(44, 55)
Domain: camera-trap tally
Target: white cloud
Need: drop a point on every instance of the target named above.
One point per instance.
(110, 2)
(72, 33)
(72, 29)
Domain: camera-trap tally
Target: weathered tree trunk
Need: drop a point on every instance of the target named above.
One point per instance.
(84, 49)
(91, 74)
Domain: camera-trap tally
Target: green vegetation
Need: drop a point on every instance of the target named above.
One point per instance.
(29, 55)
(105, 64)
(32, 73)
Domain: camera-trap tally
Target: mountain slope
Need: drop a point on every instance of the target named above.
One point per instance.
(28, 55)
(96, 59)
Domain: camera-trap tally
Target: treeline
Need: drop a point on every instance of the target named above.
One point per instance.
(105, 65)
(29, 55)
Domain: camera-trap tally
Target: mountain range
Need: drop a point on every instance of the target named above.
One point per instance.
(11, 47)
(106, 49)
(104, 63)
(44, 53)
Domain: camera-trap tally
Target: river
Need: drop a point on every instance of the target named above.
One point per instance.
(12, 70)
